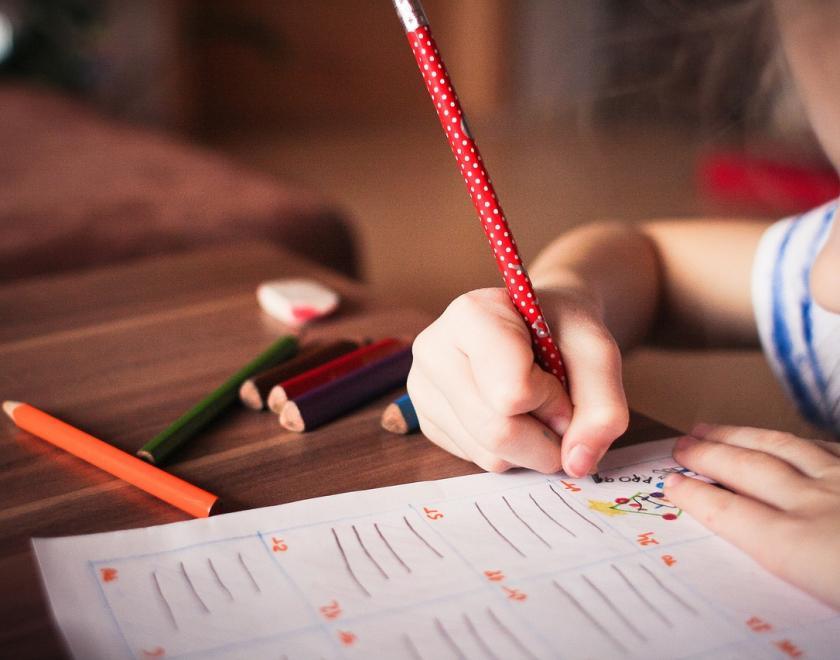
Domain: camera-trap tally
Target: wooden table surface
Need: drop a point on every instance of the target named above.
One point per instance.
(120, 352)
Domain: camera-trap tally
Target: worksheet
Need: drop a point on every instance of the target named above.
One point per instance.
(518, 565)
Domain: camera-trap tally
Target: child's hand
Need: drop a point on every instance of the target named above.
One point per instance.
(785, 511)
(480, 395)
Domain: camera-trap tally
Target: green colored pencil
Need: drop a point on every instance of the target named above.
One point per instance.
(179, 432)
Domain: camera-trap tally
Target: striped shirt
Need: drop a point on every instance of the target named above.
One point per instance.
(800, 338)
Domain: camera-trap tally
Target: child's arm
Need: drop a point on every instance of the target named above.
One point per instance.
(474, 383)
(684, 282)
(783, 506)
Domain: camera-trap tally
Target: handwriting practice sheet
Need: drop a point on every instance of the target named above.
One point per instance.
(518, 565)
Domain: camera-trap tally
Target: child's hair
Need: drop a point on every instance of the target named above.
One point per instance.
(718, 62)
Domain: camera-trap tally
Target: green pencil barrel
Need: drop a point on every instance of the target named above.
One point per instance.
(181, 430)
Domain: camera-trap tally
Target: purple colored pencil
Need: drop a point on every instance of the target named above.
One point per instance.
(323, 404)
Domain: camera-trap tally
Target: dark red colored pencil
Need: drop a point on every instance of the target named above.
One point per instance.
(254, 391)
(298, 385)
(325, 403)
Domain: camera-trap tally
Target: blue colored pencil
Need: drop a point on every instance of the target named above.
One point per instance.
(400, 417)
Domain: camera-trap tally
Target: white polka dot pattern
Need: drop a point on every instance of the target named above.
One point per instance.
(484, 197)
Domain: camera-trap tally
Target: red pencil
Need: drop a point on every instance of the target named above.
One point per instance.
(329, 371)
(481, 190)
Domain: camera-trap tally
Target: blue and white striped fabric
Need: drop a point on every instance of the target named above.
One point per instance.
(800, 338)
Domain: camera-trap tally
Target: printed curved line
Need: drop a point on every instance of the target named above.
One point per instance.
(249, 573)
(643, 598)
(573, 510)
(192, 588)
(478, 639)
(448, 639)
(367, 553)
(390, 547)
(219, 579)
(495, 529)
(669, 591)
(347, 563)
(527, 526)
(600, 626)
(550, 517)
(507, 632)
(424, 541)
(165, 602)
(642, 637)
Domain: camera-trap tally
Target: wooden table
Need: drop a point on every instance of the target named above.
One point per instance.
(121, 352)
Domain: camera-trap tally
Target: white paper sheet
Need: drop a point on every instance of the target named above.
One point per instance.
(487, 566)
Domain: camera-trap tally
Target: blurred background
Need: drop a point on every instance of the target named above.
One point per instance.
(138, 128)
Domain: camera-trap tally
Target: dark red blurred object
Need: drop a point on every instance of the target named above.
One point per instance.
(761, 182)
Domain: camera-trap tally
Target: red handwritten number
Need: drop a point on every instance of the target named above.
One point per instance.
(278, 545)
(669, 560)
(758, 625)
(331, 610)
(646, 539)
(157, 652)
(789, 648)
(514, 594)
(494, 576)
(570, 486)
(432, 514)
(347, 638)
(108, 574)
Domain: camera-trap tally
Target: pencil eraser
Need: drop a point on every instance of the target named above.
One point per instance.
(296, 301)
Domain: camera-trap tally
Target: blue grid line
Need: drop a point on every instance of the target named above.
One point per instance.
(297, 632)
(641, 552)
(495, 593)
(313, 613)
(110, 610)
(170, 550)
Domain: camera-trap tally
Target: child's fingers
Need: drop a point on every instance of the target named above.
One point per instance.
(758, 529)
(445, 430)
(757, 474)
(554, 408)
(519, 439)
(496, 342)
(832, 447)
(421, 395)
(600, 415)
(806, 455)
(434, 433)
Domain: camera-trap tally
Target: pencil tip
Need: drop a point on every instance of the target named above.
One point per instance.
(249, 394)
(10, 406)
(146, 456)
(393, 420)
(291, 419)
(276, 399)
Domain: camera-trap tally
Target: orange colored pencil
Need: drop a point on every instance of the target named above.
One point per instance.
(139, 473)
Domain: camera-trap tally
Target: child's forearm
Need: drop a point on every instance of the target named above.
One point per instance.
(684, 282)
(616, 265)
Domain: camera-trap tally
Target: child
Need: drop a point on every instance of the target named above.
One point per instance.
(610, 286)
